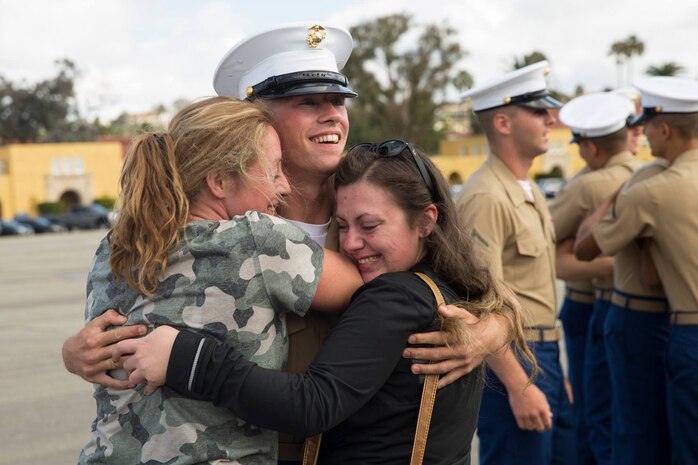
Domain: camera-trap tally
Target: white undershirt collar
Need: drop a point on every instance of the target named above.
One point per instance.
(317, 232)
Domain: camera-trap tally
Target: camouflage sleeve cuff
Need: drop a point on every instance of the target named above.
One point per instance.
(183, 361)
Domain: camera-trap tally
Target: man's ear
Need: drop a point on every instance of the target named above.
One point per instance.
(217, 183)
(665, 130)
(594, 149)
(431, 214)
(501, 122)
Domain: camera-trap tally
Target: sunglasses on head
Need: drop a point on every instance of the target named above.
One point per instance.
(394, 148)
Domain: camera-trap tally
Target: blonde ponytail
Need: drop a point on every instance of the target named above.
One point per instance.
(153, 206)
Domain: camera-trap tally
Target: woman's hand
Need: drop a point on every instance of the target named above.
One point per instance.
(88, 353)
(147, 357)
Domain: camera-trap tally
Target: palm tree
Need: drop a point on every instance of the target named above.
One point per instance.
(623, 51)
(533, 57)
(670, 68)
(619, 52)
(462, 81)
(634, 47)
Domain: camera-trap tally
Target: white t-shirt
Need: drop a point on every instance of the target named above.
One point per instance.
(317, 232)
(528, 189)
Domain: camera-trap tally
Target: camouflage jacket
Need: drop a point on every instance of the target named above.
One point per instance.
(232, 280)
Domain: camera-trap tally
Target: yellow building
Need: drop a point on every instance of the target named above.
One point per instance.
(458, 159)
(69, 173)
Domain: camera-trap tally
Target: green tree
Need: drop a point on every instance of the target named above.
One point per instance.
(43, 112)
(401, 88)
(533, 57)
(670, 68)
(618, 52)
(463, 81)
(623, 51)
(635, 47)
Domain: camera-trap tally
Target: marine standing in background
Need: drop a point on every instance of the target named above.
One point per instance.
(599, 126)
(636, 333)
(519, 422)
(663, 210)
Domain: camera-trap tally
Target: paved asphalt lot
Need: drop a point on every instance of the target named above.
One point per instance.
(46, 412)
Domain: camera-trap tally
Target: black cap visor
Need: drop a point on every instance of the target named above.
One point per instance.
(539, 99)
(302, 83)
(542, 101)
(309, 88)
(647, 113)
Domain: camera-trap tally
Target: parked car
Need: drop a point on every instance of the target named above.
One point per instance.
(39, 224)
(83, 217)
(15, 228)
(551, 186)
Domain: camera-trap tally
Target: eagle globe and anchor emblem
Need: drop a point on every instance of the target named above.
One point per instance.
(316, 35)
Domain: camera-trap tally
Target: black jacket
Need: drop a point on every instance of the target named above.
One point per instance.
(358, 390)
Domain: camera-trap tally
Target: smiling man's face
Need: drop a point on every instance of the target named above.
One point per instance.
(313, 130)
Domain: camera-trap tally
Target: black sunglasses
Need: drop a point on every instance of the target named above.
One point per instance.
(394, 148)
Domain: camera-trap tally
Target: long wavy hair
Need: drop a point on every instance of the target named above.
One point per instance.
(164, 172)
(450, 250)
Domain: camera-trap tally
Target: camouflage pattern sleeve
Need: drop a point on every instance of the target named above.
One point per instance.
(289, 261)
(103, 291)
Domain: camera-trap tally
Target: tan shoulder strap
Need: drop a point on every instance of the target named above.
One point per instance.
(311, 449)
(434, 288)
(431, 384)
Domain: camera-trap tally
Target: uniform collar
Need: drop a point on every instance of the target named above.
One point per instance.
(506, 177)
(686, 157)
(621, 158)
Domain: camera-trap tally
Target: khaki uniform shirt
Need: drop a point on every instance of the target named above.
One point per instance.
(662, 208)
(627, 263)
(581, 196)
(516, 234)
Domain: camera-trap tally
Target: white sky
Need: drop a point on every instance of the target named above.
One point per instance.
(136, 54)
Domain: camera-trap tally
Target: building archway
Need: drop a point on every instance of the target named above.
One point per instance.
(68, 199)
